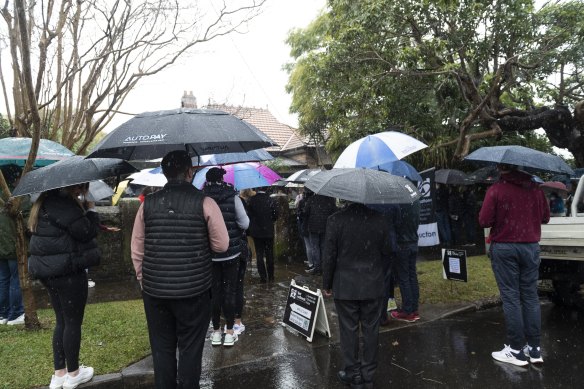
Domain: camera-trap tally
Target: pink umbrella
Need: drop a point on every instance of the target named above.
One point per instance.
(241, 175)
(555, 186)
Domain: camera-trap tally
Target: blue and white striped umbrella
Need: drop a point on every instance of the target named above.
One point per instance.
(402, 169)
(378, 149)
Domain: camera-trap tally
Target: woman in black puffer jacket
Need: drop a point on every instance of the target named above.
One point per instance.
(63, 241)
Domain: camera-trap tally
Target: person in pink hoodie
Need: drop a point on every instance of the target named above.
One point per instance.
(514, 208)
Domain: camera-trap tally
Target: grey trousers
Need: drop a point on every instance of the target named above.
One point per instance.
(516, 268)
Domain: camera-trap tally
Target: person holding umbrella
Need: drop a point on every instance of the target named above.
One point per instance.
(514, 208)
(356, 249)
(64, 235)
(226, 265)
(11, 306)
(176, 232)
(263, 212)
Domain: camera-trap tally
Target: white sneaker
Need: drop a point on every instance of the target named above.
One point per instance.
(237, 328)
(18, 320)
(90, 284)
(391, 305)
(230, 339)
(85, 375)
(508, 355)
(3, 320)
(57, 382)
(216, 338)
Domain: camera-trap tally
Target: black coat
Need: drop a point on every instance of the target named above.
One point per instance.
(316, 212)
(262, 213)
(356, 246)
(64, 231)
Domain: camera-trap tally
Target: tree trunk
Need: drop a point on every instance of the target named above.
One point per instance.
(31, 319)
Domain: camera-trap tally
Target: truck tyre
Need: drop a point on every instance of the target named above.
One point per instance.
(568, 294)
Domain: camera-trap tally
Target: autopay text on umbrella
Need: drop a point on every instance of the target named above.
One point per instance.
(145, 138)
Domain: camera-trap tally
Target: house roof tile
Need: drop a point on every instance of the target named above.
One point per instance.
(285, 136)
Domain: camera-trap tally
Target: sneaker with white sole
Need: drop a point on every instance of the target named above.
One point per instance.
(18, 320)
(216, 338)
(533, 353)
(85, 375)
(391, 305)
(230, 339)
(57, 382)
(90, 284)
(237, 328)
(508, 355)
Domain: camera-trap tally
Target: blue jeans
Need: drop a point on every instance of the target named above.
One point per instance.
(516, 269)
(407, 277)
(443, 220)
(10, 295)
(316, 248)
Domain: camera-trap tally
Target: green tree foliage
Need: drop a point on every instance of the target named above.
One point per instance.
(455, 74)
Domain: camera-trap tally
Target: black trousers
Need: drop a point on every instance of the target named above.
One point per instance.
(178, 323)
(224, 292)
(68, 297)
(265, 246)
(351, 314)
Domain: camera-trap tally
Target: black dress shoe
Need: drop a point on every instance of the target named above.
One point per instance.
(356, 381)
(344, 378)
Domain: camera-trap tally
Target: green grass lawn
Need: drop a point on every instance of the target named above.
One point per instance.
(434, 289)
(114, 336)
(115, 333)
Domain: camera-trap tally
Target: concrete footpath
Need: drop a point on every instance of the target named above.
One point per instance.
(266, 340)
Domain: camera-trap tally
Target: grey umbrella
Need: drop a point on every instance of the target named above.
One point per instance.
(152, 135)
(228, 158)
(301, 176)
(71, 171)
(529, 159)
(450, 177)
(365, 186)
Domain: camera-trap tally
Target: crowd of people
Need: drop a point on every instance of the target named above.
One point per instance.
(190, 250)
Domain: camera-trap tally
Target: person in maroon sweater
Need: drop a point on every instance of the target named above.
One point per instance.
(514, 208)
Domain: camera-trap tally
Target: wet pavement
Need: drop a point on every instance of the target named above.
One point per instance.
(449, 347)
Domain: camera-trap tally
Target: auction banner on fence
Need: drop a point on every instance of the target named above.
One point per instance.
(428, 229)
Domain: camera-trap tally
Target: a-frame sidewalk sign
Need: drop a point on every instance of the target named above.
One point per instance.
(305, 312)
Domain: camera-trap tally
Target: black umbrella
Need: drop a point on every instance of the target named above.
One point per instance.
(450, 177)
(484, 175)
(152, 135)
(528, 159)
(71, 171)
(365, 186)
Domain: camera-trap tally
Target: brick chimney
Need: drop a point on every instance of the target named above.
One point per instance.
(188, 100)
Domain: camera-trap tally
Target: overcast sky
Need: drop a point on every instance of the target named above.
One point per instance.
(239, 69)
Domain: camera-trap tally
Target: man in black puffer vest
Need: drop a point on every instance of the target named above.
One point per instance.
(226, 265)
(176, 232)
